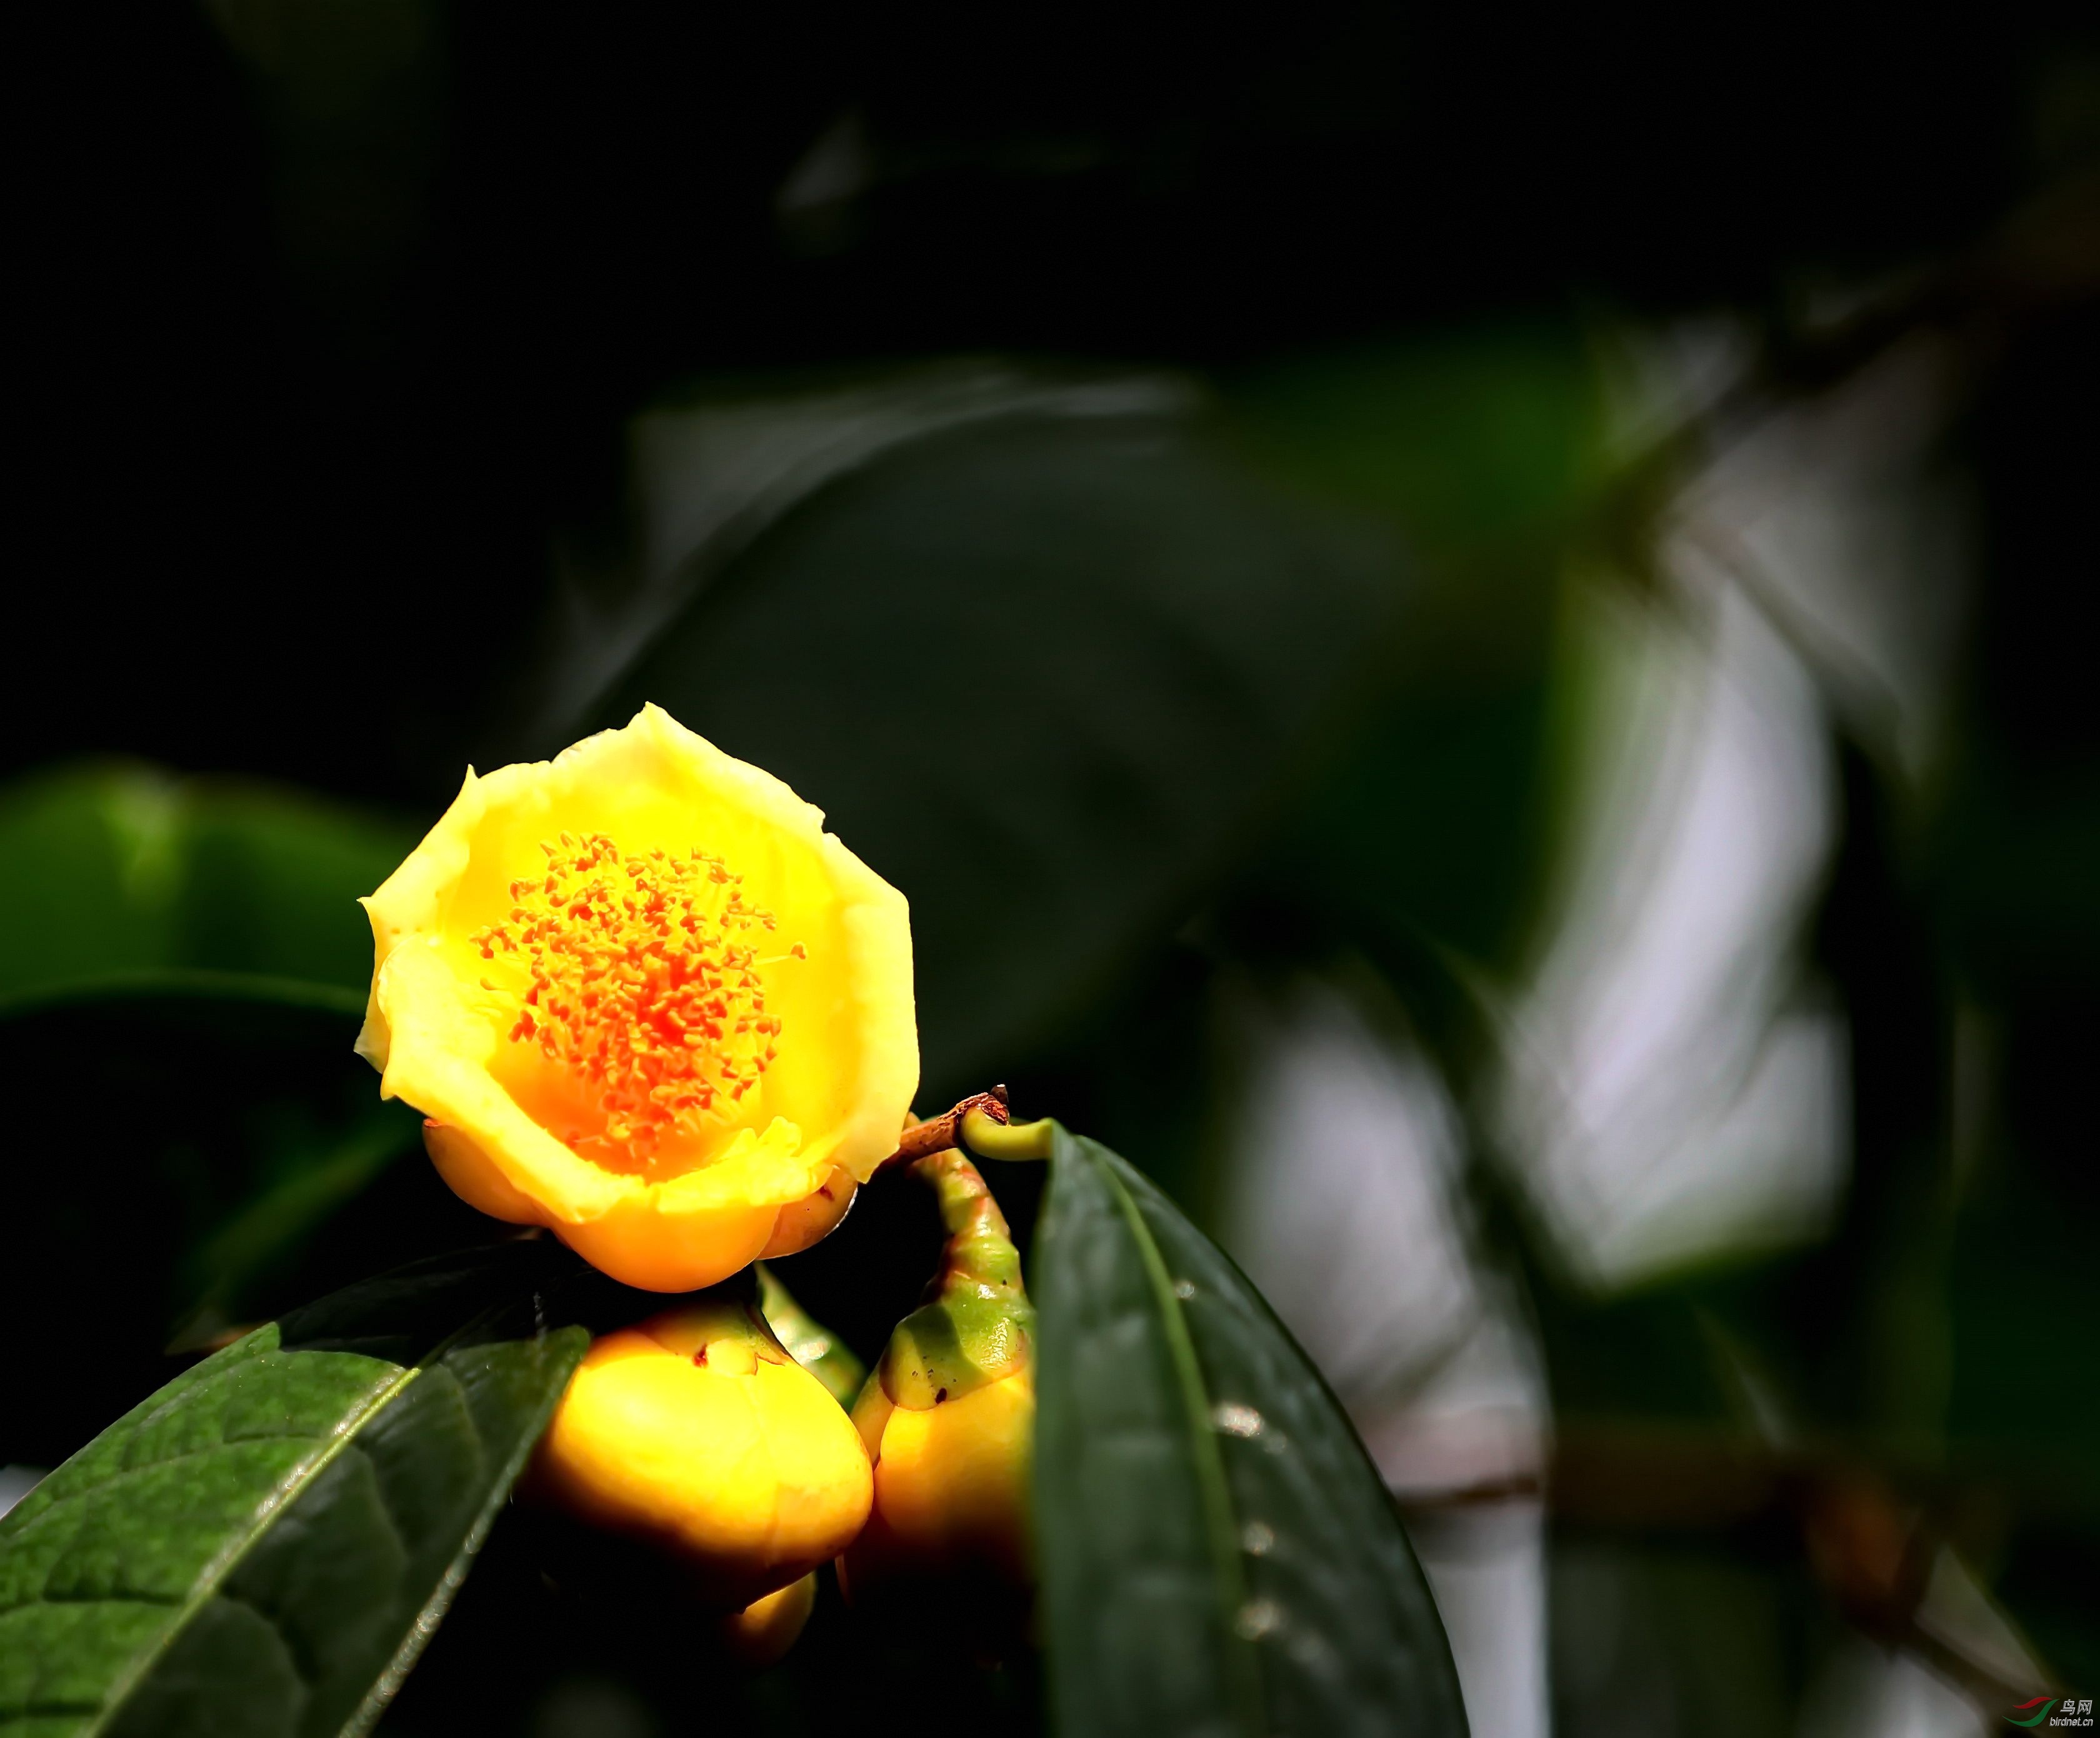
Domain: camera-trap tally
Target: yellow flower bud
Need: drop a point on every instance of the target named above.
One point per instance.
(951, 1486)
(948, 1417)
(695, 1433)
(644, 1000)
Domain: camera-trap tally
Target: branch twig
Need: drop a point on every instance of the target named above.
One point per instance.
(937, 1134)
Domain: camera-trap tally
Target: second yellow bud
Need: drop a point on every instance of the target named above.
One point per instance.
(696, 1434)
(951, 1486)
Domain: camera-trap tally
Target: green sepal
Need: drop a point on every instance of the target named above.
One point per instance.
(1007, 1141)
(955, 1345)
(811, 1344)
(977, 1325)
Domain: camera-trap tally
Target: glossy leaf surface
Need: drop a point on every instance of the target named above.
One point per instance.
(1218, 1555)
(263, 1546)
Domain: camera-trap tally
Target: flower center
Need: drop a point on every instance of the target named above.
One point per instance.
(645, 988)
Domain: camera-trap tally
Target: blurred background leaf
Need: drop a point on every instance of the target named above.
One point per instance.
(185, 969)
(124, 877)
(1088, 643)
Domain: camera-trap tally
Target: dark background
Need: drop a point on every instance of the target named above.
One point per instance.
(334, 322)
(327, 341)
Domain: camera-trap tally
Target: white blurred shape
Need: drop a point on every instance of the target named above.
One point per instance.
(1341, 1205)
(1958, 1613)
(1873, 1692)
(1670, 378)
(1866, 1692)
(1338, 1197)
(1670, 1093)
(16, 1483)
(1475, 1421)
(1838, 513)
(1485, 1566)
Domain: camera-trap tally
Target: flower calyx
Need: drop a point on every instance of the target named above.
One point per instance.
(948, 1419)
(977, 1327)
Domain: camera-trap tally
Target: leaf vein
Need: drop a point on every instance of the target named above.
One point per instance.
(209, 1583)
(1214, 1493)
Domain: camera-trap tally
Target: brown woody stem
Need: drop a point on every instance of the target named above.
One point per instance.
(938, 1134)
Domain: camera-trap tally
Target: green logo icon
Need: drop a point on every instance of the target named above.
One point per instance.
(2041, 1706)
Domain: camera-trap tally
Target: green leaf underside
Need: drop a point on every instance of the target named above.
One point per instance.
(1218, 1555)
(263, 1546)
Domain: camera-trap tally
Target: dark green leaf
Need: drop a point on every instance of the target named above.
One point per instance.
(1488, 447)
(264, 1546)
(1469, 437)
(1040, 650)
(123, 876)
(183, 966)
(190, 1161)
(1218, 1554)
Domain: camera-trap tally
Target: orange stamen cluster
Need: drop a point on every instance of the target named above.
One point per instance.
(642, 986)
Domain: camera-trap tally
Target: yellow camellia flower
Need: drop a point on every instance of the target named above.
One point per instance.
(695, 1434)
(645, 1000)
